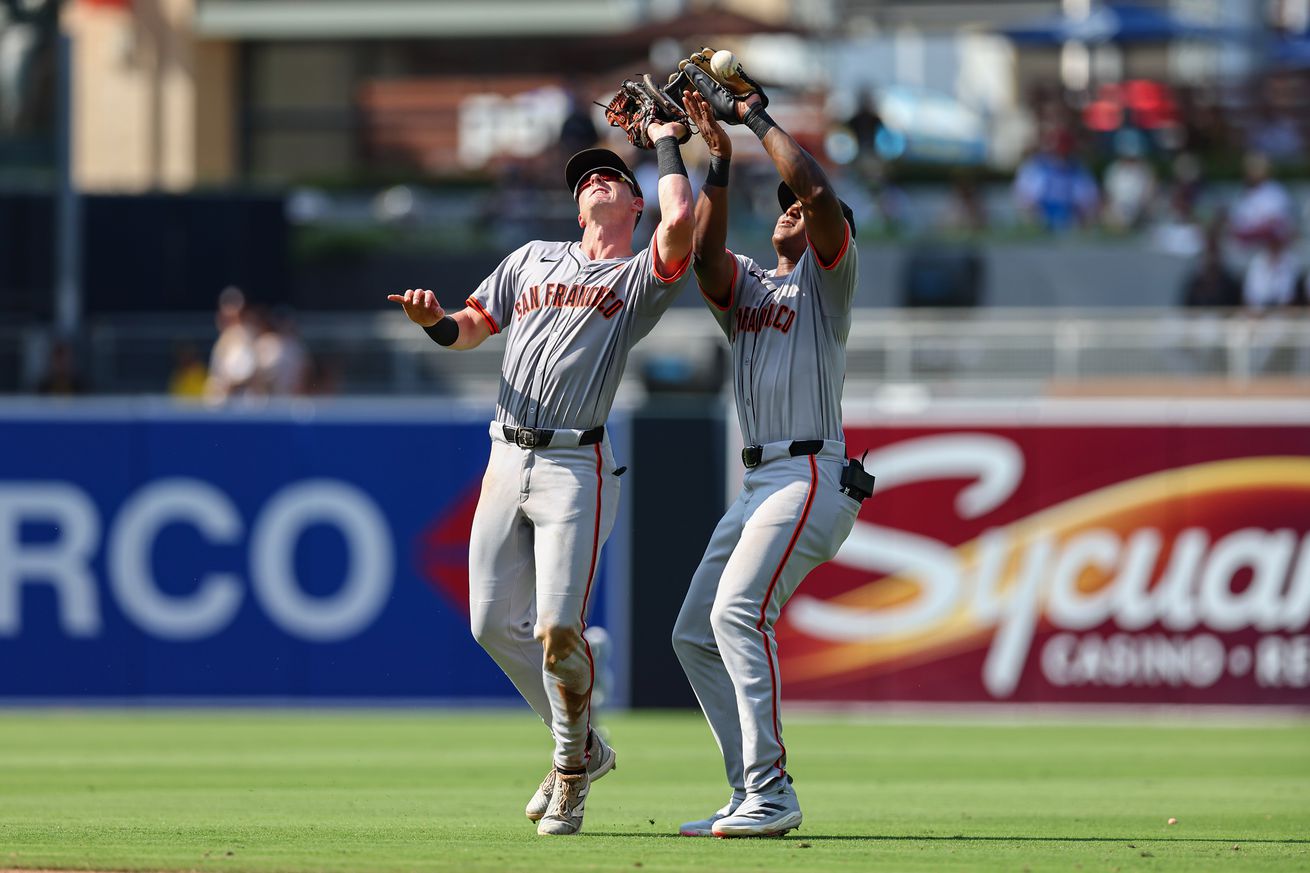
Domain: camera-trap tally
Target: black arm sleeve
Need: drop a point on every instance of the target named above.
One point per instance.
(444, 332)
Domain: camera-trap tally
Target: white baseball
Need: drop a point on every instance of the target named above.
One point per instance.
(724, 64)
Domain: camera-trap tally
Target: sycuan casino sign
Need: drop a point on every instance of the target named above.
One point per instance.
(1066, 563)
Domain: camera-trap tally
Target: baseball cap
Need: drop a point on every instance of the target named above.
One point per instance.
(590, 160)
(786, 198)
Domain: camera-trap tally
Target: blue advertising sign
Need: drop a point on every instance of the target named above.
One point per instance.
(309, 552)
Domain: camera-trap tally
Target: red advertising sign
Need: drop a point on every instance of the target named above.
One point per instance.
(1140, 563)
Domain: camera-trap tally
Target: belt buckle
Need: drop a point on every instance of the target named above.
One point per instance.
(525, 438)
(751, 456)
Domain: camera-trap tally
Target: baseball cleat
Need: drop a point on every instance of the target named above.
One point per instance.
(603, 759)
(762, 815)
(705, 827)
(567, 802)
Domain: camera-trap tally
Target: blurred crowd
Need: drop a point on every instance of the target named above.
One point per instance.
(1185, 172)
(1136, 158)
(1153, 145)
(257, 354)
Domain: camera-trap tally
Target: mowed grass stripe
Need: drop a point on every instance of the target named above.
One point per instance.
(418, 791)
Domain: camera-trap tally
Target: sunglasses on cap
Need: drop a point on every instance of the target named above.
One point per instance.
(609, 174)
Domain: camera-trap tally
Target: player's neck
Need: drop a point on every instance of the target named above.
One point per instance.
(785, 265)
(787, 260)
(602, 241)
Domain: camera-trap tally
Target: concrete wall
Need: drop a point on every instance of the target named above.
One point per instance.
(153, 110)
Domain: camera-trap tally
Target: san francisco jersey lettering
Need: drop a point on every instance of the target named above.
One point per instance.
(569, 323)
(788, 336)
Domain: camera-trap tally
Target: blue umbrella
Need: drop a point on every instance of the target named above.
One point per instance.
(1114, 22)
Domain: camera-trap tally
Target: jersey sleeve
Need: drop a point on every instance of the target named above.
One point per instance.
(653, 292)
(837, 279)
(725, 315)
(494, 298)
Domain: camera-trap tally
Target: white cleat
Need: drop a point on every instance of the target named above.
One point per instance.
(762, 815)
(567, 802)
(704, 827)
(603, 760)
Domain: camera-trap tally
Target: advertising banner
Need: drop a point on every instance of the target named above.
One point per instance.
(1103, 559)
(147, 552)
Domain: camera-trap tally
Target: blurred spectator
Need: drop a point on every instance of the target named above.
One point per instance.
(61, 377)
(1188, 186)
(510, 212)
(578, 131)
(1262, 213)
(1274, 279)
(1211, 284)
(864, 125)
(1205, 129)
(1179, 229)
(1053, 188)
(232, 363)
(1275, 135)
(1129, 183)
(965, 212)
(189, 376)
(880, 203)
(281, 363)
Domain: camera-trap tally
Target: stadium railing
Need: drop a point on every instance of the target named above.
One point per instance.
(974, 352)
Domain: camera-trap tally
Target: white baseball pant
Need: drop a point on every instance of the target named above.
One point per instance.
(789, 517)
(541, 521)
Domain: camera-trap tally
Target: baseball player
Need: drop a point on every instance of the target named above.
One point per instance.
(570, 311)
(787, 327)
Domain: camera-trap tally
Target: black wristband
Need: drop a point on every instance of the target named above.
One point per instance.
(759, 121)
(444, 332)
(669, 156)
(718, 174)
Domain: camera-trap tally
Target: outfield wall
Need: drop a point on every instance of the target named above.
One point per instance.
(1118, 551)
(1051, 551)
(305, 552)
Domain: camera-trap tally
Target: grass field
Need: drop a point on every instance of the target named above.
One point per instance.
(425, 791)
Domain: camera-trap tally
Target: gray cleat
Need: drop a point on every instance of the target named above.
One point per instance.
(704, 827)
(762, 815)
(567, 802)
(603, 759)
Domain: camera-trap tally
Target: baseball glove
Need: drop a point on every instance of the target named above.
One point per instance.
(722, 90)
(639, 104)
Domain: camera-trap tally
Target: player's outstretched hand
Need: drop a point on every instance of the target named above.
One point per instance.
(420, 305)
(700, 112)
(659, 129)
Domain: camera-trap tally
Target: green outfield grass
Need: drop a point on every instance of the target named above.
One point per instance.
(424, 791)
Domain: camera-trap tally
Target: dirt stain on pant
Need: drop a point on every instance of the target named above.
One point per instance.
(575, 703)
(558, 643)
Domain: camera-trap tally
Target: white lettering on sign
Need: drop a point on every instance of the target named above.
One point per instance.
(65, 561)
(369, 573)
(216, 598)
(1283, 662)
(1126, 659)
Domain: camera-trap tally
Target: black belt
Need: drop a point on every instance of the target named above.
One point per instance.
(540, 437)
(752, 455)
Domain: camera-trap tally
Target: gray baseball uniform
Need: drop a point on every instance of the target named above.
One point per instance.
(788, 336)
(545, 512)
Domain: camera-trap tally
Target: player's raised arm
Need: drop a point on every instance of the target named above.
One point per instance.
(673, 236)
(824, 223)
(737, 99)
(466, 329)
(710, 258)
